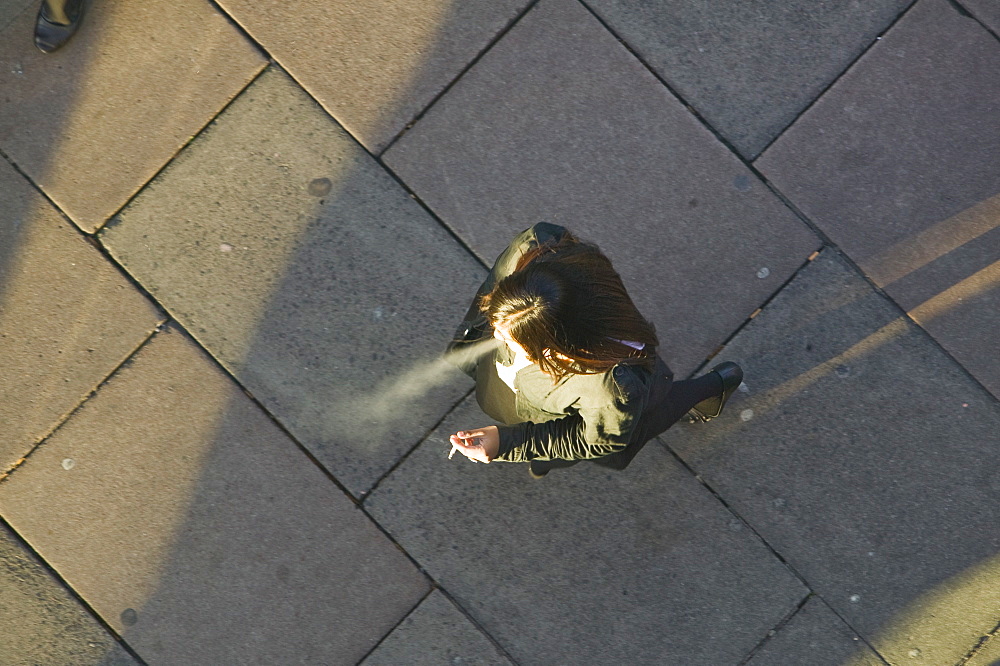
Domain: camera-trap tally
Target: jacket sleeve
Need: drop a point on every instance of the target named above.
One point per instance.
(604, 424)
(474, 325)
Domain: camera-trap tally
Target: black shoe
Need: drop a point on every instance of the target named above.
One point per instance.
(706, 410)
(50, 35)
(536, 474)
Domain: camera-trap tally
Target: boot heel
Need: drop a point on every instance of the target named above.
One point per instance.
(706, 410)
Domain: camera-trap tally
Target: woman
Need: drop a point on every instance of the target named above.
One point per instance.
(576, 375)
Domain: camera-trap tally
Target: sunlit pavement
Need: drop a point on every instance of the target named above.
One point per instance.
(235, 237)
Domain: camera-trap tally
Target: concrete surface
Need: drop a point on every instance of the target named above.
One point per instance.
(140, 81)
(309, 194)
(815, 636)
(898, 164)
(316, 299)
(986, 11)
(436, 633)
(865, 457)
(374, 64)
(987, 655)
(43, 625)
(749, 68)
(202, 520)
(652, 564)
(10, 9)
(560, 123)
(68, 318)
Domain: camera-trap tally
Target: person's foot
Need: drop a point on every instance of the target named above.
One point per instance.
(731, 376)
(52, 32)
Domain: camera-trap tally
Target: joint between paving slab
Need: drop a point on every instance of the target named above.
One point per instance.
(367, 493)
(83, 401)
(777, 628)
(476, 624)
(757, 311)
(774, 551)
(680, 98)
(201, 130)
(176, 325)
(451, 232)
(980, 645)
(964, 11)
(828, 242)
(240, 29)
(38, 189)
(832, 83)
(396, 626)
(73, 593)
(469, 65)
(698, 477)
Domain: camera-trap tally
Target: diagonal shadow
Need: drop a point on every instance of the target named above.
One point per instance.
(311, 277)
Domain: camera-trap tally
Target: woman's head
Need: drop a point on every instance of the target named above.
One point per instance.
(567, 308)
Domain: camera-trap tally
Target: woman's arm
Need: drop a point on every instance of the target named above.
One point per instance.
(604, 424)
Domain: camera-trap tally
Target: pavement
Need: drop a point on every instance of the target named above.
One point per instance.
(236, 235)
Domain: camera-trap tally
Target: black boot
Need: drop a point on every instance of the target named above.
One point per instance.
(536, 471)
(57, 21)
(731, 376)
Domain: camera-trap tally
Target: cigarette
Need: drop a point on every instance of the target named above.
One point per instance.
(453, 449)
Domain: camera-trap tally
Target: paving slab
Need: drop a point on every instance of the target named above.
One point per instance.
(374, 64)
(897, 163)
(308, 272)
(749, 68)
(867, 458)
(815, 636)
(10, 9)
(436, 632)
(560, 123)
(68, 318)
(589, 565)
(986, 11)
(94, 121)
(200, 532)
(43, 625)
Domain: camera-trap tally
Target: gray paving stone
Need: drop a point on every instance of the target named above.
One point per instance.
(43, 625)
(67, 317)
(815, 636)
(435, 633)
(10, 9)
(94, 121)
(749, 68)
(305, 268)
(374, 64)
(986, 11)
(559, 122)
(898, 164)
(199, 532)
(867, 459)
(587, 566)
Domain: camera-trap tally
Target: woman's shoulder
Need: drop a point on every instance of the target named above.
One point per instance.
(537, 234)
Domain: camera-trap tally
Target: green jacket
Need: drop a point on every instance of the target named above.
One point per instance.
(581, 416)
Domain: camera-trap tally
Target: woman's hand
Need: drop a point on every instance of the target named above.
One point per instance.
(479, 445)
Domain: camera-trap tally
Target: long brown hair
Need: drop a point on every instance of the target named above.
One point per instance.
(567, 307)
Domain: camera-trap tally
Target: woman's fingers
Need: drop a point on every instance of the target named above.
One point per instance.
(470, 444)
